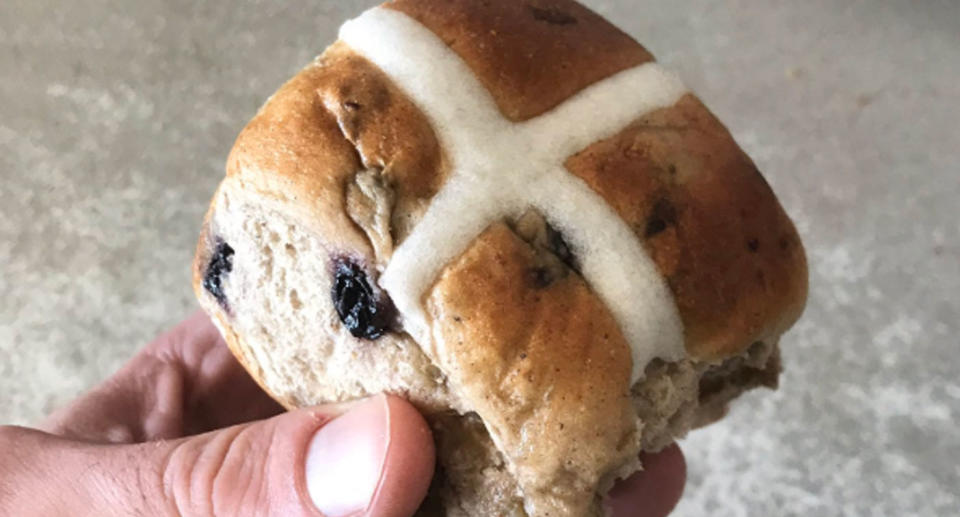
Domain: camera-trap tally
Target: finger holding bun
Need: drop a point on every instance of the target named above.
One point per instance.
(508, 213)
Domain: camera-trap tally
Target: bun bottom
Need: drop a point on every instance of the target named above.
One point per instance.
(472, 477)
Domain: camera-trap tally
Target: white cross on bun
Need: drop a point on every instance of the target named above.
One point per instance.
(508, 213)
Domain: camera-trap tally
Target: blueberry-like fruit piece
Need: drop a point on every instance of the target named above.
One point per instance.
(221, 264)
(663, 215)
(366, 313)
(561, 249)
(552, 16)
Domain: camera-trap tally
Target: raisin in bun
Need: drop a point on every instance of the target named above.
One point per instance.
(508, 213)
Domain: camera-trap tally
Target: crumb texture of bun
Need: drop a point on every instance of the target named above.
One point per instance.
(526, 367)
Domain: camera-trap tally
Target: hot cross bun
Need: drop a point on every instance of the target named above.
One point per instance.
(507, 212)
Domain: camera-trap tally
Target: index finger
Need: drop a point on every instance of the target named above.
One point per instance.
(185, 382)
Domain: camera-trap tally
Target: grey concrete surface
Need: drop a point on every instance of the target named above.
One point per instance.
(116, 117)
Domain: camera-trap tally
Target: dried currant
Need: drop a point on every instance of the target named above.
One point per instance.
(365, 312)
(664, 214)
(654, 227)
(541, 277)
(552, 16)
(220, 265)
(561, 249)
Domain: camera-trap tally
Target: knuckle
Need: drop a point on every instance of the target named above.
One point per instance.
(212, 475)
(186, 479)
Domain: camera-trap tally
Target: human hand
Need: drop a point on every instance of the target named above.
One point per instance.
(182, 430)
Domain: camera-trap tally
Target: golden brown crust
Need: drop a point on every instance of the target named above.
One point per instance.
(338, 115)
(710, 221)
(532, 54)
(385, 127)
(201, 256)
(293, 152)
(545, 366)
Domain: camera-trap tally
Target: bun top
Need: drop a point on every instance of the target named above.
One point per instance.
(548, 209)
(500, 168)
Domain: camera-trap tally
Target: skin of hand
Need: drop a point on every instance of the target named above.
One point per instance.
(182, 430)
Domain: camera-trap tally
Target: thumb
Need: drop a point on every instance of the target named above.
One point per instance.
(373, 458)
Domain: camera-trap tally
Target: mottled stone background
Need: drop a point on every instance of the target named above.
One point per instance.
(116, 117)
